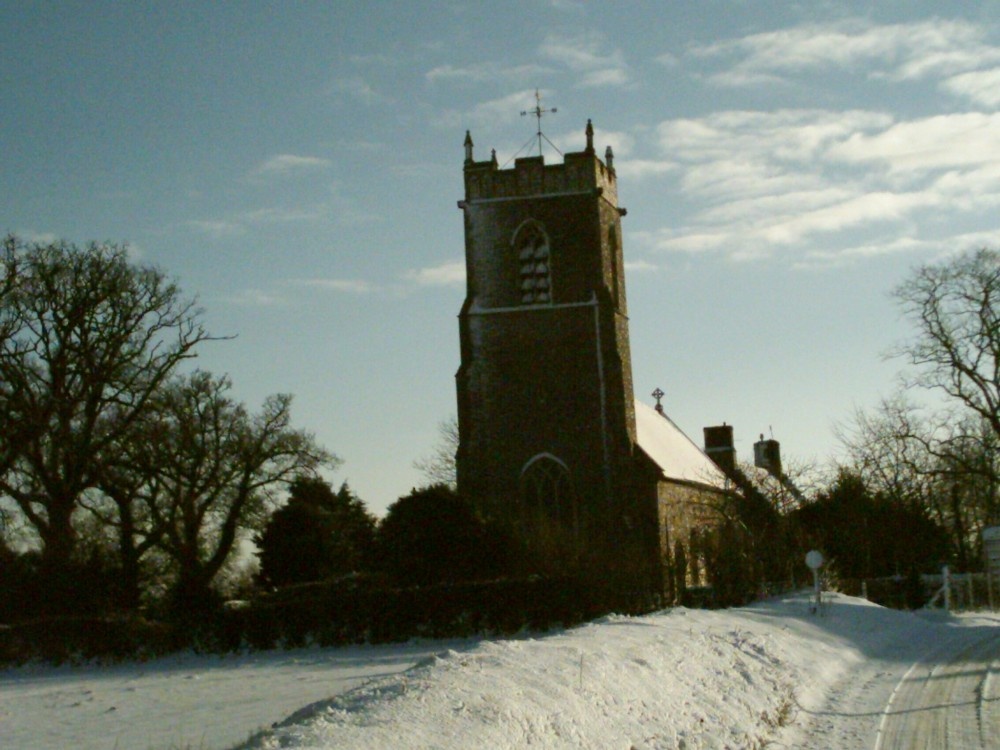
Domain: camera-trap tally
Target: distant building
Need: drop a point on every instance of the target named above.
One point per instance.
(551, 437)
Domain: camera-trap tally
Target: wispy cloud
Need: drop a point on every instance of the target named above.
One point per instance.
(292, 291)
(931, 143)
(451, 273)
(40, 238)
(357, 88)
(954, 52)
(256, 298)
(503, 109)
(978, 86)
(575, 6)
(274, 215)
(640, 266)
(349, 286)
(637, 169)
(333, 205)
(217, 228)
(793, 180)
(586, 55)
(621, 143)
(484, 71)
(283, 164)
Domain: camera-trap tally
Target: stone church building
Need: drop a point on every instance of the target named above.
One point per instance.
(552, 439)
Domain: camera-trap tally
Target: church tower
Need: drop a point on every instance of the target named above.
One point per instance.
(546, 413)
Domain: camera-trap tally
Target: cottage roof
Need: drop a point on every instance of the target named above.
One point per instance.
(676, 455)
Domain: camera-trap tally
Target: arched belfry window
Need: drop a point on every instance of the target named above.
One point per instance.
(535, 264)
(547, 490)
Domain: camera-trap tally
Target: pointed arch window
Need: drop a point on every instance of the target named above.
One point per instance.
(547, 489)
(534, 263)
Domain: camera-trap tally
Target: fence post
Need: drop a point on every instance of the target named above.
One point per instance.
(991, 551)
(946, 574)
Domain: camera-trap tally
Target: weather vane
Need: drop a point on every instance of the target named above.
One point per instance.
(538, 111)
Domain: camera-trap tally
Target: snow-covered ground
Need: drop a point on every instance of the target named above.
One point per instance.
(771, 672)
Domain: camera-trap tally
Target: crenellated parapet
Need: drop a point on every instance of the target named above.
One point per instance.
(580, 172)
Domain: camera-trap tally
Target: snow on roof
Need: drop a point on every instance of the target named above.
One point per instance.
(674, 452)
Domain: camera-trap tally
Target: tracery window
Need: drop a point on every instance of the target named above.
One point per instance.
(535, 276)
(546, 488)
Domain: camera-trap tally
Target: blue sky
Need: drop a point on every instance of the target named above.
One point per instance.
(296, 166)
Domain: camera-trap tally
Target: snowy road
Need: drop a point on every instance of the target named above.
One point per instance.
(951, 702)
(901, 690)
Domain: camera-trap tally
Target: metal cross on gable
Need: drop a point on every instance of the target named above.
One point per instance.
(658, 394)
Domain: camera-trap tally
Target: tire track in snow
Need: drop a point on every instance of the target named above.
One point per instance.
(947, 702)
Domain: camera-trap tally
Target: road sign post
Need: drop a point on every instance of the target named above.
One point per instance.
(814, 560)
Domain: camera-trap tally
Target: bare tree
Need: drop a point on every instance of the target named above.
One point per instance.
(439, 466)
(8, 324)
(86, 333)
(213, 471)
(127, 489)
(955, 307)
(890, 446)
(941, 464)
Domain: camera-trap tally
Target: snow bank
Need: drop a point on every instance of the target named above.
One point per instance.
(677, 679)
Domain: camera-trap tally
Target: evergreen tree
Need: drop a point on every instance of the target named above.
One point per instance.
(865, 536)
(318, 534)
(433, 535)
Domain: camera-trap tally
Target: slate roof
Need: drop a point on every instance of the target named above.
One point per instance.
(677, 456)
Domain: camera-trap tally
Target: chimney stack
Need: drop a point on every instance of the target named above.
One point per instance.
(719, 447)
(767, 455)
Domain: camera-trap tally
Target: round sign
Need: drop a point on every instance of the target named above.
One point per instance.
(814, 559)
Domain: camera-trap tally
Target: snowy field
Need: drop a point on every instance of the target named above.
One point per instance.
(769, 673)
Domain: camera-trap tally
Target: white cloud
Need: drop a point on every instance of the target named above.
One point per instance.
(979, 86)
(217, 228)
(789, 202)
(637, 169)
(577, 6)
(940, 142)
(504, 109)
(486, 71)
(790, 135)
(272, 215)
(355, 87)
(451, 273)
(282, 164)
(691, 241)
(37, 238)
(605, 77)
(349, 286)
(934, 48)
(621, 142)
(975, 240)
(585, 55)
(668, 60)
(640, 266)
(476, 72)
(862, 209)
(800, 181)
(256, 298)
